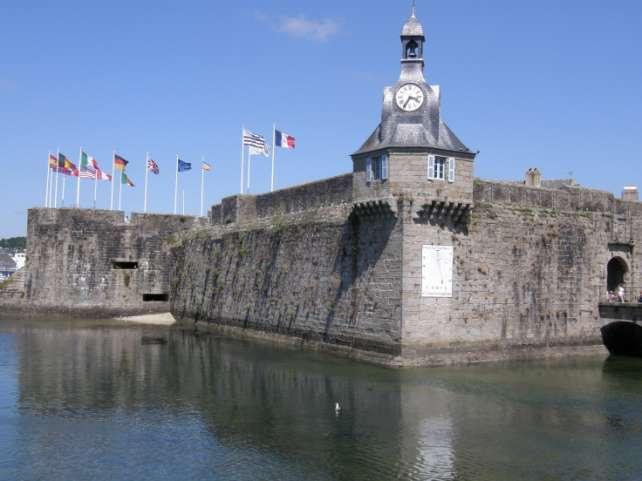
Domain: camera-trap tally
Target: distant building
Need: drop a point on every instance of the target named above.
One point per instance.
(7, 266)
(20, 258)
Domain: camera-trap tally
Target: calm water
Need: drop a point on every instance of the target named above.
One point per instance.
(87, 402)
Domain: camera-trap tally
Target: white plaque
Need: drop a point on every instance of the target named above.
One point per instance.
(437, 271)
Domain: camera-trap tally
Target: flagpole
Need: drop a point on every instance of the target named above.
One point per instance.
(120, 190)
(146, 175)
(78, 180)
(202, 182)
(57, 169)
(249, 169)
(113, 176)
(51, 189)
(50, 193)
(95, 185)
(242, 158)
(183, 190)
(273, 155)
(176, 188)
(47, 183)
(64, 184)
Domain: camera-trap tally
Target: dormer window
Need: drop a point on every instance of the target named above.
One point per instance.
(441, 168)
(412, 49)
(377, 167)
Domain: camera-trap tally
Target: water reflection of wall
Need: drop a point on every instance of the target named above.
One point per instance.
(471, 423)
(277, 401)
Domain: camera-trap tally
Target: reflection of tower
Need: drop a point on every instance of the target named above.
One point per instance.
(427, 432)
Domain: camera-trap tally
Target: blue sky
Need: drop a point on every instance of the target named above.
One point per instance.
(549, 84)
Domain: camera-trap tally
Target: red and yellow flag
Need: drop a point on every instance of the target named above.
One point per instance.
(119, 162)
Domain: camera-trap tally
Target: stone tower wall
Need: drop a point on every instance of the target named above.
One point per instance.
(408, 175)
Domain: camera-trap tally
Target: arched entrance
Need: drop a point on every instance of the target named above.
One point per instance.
(616, 270)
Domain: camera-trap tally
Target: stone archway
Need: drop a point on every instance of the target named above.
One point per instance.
(616, 271)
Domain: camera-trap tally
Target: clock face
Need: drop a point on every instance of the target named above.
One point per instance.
(409, 97)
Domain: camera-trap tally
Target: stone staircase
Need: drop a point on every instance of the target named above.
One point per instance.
(13, 288)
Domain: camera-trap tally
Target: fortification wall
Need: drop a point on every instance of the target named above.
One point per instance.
(530, 268)
(318, 276)
(312, 196)
(97, 263)
(563, 198)
(313, 264)
(529, 273)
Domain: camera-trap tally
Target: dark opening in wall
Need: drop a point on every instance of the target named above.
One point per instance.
(124, 265)
(155, 297)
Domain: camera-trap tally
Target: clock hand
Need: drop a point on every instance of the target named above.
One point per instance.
(407, 100)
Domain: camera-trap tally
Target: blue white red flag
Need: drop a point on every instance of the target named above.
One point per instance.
(283, 140)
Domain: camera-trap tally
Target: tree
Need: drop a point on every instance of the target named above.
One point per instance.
(14, 243)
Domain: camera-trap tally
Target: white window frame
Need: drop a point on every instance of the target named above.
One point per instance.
(377, 168)
(369, 173)
(433, 171)
(384, 167)
(431, 167)
(451, 164)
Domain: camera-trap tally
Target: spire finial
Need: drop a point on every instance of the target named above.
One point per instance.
(414, 8)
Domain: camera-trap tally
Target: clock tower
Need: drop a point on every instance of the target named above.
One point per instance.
(412, 151)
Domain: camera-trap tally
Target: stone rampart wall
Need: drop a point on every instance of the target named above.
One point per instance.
(564, 198)
(330, 278)
(315, 195)
(97, 262)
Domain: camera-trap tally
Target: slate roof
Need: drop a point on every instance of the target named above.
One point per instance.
(413, 135)
(6, 262)
(412, 27)
(423, 128)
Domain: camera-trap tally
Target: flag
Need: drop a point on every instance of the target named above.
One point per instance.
(183, 166)
(86, 170)
(264, 151)
(100, 175)
(53, 162)
(206, 167)
(66, 166)
(253, 140)
(87, 174)
(61, 160)
(126, 180)
(84, 160)
(153, 166)
(283, 140)
(119, 162)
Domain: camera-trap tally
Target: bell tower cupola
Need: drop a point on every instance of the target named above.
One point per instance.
(412, 150)
(412, 48)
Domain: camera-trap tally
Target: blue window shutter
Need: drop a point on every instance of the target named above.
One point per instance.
(369, 169)
(384, 167)
(451, 169)
(431, 166)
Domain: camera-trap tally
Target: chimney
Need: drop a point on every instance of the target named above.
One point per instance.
(533, 178)
(630, 194)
